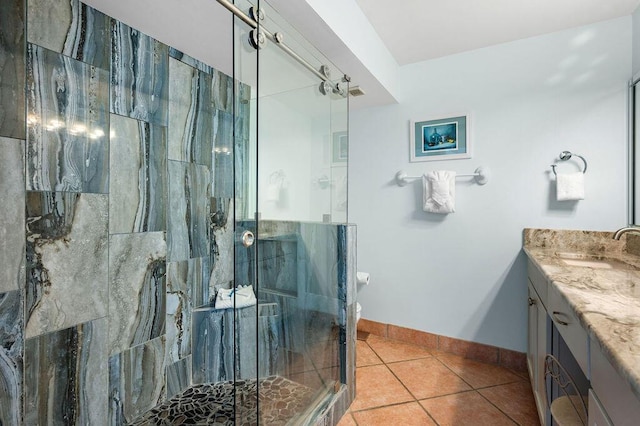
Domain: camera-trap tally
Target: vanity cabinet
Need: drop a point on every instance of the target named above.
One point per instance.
(537, 348)
(597, 414)
(618, 402)
(538, 337)
(570, 329)
(554, 328)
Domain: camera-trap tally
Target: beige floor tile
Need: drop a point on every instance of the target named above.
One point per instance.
(347, 420)
(376, 387)
(393, 351)
(477, 374)
(467, 408)
(410, 414)
(365, 355)
(515, 399)
(427, 377)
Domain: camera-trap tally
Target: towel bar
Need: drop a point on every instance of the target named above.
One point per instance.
(480, 175)
(566, 155)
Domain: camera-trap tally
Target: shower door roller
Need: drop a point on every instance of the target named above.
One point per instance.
(248, 238)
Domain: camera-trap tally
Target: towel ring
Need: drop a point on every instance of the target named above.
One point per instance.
(566, 155)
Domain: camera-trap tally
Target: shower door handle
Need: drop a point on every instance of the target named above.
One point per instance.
(248, 238)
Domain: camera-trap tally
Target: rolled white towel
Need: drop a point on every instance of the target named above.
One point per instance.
(244, 296)
(363, 278)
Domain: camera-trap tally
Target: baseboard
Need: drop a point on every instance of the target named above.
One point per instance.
(471, 350)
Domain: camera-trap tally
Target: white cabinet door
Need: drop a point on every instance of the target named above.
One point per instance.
(597, 415)
(532, 347)
(537, 350)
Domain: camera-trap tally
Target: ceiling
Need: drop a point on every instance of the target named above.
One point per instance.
(408, 31)
(418, 30)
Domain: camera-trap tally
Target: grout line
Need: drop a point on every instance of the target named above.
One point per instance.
(499, 409)
(457, 375)
(518, 379)
(403, 360)
(428, 414)
(445, 394)
(393, 404)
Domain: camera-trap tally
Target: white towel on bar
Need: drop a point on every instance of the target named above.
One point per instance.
(570, 186)
(439, 192)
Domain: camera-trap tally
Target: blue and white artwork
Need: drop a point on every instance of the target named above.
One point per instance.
(444, 138)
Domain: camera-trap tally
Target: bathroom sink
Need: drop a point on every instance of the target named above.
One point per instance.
(593, 261)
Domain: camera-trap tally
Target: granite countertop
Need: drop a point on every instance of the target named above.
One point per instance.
(606, 301)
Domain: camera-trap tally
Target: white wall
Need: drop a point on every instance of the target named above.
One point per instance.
(636, 41)
(464, 275)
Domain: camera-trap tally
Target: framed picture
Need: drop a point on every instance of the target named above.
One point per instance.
(340, 147)
(444, 138)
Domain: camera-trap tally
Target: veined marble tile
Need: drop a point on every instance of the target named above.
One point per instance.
(66, 377)
(241, 158)
(347, 264)
(348, 335)
(215, 352)
(189, 194)
(136, 381)
(12, 74)
(67, 122)
(292, 320)
(278, 264)
(212, 345)
(67, 260)
(222, 92)
(243, 111)
(222, 242)
(190, 114)
(187, 288)
(178, 377)
(137, 285)
(138, 179)
(191, 61)
(263, 357)
(11, 356)
(223, 150)
(12, 234)
(139, 75)
(71, 28)
(321, 246)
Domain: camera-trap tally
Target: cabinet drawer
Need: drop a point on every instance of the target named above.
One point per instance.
(539, 282)
(570, 329)
(615, 394)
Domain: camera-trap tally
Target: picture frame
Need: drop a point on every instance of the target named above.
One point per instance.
(441, 138)
(340, 147)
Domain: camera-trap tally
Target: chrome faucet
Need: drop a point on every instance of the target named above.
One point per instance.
(620, 232)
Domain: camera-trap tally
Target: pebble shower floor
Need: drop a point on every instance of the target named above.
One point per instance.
(281, 400)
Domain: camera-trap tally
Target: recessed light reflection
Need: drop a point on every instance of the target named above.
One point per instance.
(77, 129)
(224, 150)
(54, 125)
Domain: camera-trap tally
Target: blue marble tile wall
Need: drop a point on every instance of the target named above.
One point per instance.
(233, 334)
(12, 72)
(308, 271)
(117, 153)
(12, 229)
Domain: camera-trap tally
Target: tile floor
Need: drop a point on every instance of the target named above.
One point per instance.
(403, 384)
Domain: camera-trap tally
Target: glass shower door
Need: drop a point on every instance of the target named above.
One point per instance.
(291, 159)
